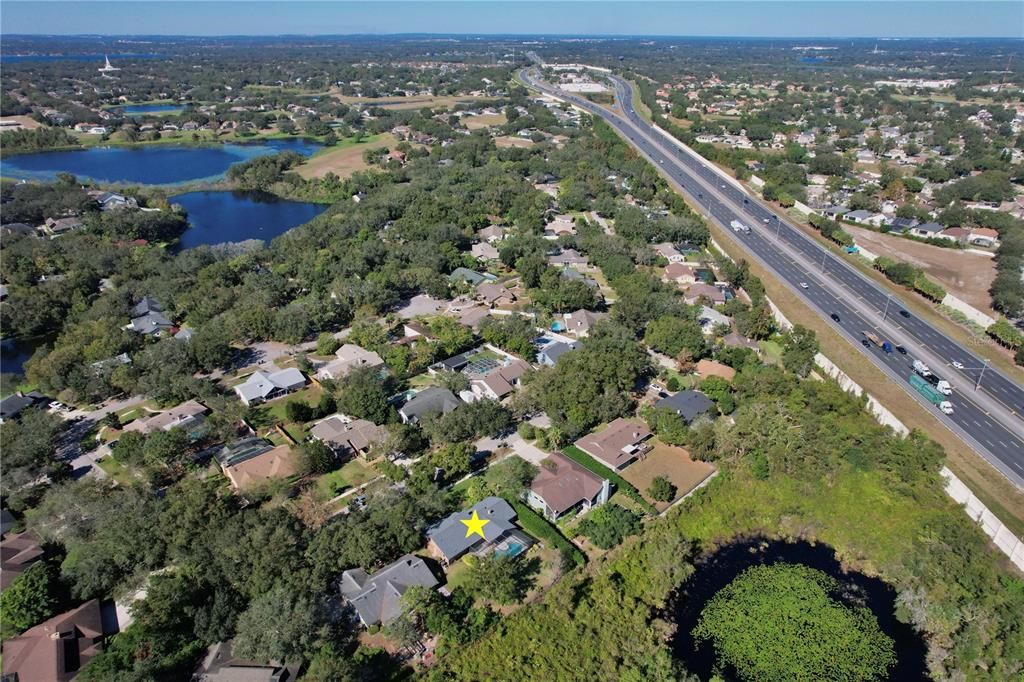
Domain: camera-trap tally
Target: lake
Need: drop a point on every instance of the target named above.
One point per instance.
(153, 165)
(219, 217)
(143, 109)
(15, 352)
(718, 569)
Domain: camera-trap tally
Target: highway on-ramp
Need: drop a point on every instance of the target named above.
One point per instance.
(988, 406)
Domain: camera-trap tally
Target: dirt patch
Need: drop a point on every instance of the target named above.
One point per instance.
(674, 463)
(345, 160)
(966, 275)
(26, 122)
(505, 141)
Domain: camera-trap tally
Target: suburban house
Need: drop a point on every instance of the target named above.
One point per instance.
(433, 400)
(494, 294)
(17, 553)
(484, 251)
(448, 539)
(473, 315)
(188, 415)
(60, 226)
(57, 649)
(221, 665)
(710, 368)
(699, 290)
(709, 318)
(563, 486)
(471, 277)
(549, 354)
(348, 436)
(579, 323)
(349, 357)
(261, 386)
(110, 201)
(500, 381)
(252, 461)
(492, 233)
(834, 212)
(900, 225)
(378, 598)
(669, 253)
(560, 225)
(148, 318)
(688, 404)
(680, 273)
(12, 405)
(865, 218)
(568, 257)
(983, 236)
(618, 444)
(926, 230)
(415, 330)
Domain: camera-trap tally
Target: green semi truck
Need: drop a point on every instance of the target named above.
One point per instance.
(922, 386)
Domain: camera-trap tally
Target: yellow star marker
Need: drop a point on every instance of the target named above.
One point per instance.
(475, 525)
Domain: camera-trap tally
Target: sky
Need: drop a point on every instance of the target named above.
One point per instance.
(767, 18)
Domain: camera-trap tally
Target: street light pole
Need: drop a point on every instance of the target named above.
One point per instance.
(884, 312)
(824, 255)
(982, 374)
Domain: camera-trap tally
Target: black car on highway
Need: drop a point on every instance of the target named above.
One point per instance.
(835, 318)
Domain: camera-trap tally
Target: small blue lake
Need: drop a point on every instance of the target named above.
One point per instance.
(219, 217)
(155, 165)
(143, 109)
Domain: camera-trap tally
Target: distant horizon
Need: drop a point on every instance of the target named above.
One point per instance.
(769, 19)
(576, 36)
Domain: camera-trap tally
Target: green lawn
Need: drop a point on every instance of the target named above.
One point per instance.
(352, 474)
(116, 470)
(772, 349)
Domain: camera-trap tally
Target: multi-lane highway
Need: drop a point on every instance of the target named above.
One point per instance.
(988, 407)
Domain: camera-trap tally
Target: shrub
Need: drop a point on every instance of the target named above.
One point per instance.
(662, 490)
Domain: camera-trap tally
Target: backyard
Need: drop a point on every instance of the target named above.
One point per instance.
(674, 463)
(352, 474)
(345, 158)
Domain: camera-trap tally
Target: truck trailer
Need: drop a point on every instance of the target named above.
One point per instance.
(933, 396)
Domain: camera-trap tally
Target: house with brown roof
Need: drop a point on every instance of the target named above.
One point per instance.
(348, 436)
(500, 381)
(562, 486)
(669, 253)
(699, 290)
(618, 444)
(580, 322)
(681, 273)
(484, 251)
(493, 294)
(17, 553)
(188, 415)
(252, 461)
(473, 316)
(57, 649)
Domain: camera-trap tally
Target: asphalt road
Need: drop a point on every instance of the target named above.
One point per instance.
(988, 406)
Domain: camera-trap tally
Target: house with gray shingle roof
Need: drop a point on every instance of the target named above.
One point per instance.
(433, 400)
(449, 540)
(377, 598)
(261, 386)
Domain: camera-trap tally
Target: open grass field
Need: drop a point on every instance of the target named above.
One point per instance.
(674, 463)
(966, 275)
(344, 159)
(484, 121)
(414, 102)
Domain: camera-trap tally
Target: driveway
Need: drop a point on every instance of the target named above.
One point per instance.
(531, 453)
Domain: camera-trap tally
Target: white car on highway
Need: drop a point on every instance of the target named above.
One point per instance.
(958, 365)
(804, 285)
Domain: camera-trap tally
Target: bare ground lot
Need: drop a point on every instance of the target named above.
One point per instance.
(345, 160)
(26, 122)
(507, 141)
(484, 121)
(965, 275)
(674, 463)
